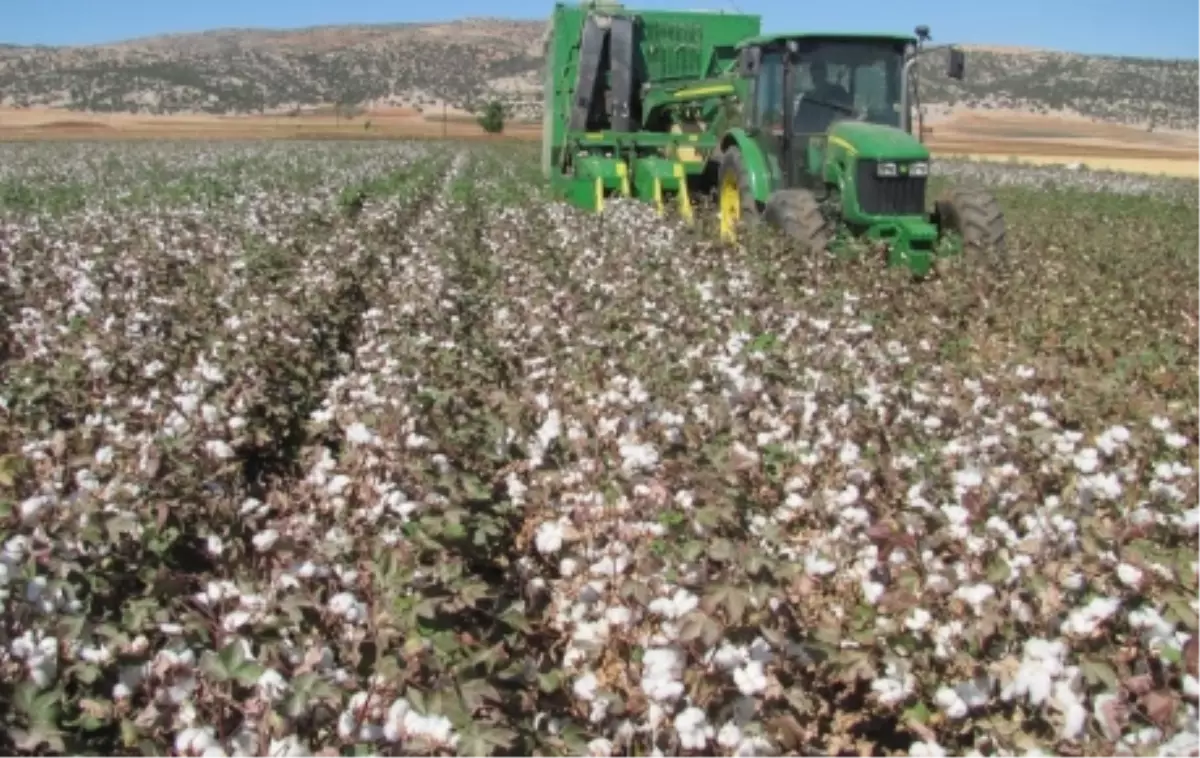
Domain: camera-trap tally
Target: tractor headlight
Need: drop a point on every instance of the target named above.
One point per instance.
(918, 168)
(885, 169)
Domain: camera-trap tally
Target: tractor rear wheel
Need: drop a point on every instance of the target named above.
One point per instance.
(975, 215)
(797, 214)
(735, 200)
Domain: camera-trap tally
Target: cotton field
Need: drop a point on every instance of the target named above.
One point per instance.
(372, 449)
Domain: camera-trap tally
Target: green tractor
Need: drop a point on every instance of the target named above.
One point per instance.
(812, 133)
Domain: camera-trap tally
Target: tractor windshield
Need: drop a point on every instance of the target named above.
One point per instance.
(847, 78)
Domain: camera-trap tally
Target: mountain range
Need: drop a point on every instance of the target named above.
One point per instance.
(465, 63)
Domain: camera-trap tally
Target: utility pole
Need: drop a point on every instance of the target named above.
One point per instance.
(443, 118)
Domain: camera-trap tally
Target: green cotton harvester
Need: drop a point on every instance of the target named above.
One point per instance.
(811, 132)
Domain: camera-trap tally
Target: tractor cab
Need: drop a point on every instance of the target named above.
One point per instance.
(801, 85)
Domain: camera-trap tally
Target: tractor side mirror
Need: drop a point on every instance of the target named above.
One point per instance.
(956, 67)
(748, 61)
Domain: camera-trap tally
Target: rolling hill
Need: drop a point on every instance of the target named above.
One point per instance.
(464, 63)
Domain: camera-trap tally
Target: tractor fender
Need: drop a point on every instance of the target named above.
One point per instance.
(755, 162)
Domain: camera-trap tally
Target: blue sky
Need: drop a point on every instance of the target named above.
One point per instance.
(1159, 28)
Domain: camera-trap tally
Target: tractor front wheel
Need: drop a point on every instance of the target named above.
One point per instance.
(735, 200)
(975, 215)
(797, 214)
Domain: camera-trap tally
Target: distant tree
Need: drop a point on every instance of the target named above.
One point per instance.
(492, 118)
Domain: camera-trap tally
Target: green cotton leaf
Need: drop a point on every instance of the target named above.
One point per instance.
(416, 699)
(733, 600)
(86, 673)
(918, 713)
(514, 616)
(476, 693)
(476, 489)
(721, 550)
(296, 705)
(1099, 673)
(232, 656)
(1179, 608)
(998, 571)
(485, 740)
(550, 682)
(130, 734)
(248, 673)
(30, 741)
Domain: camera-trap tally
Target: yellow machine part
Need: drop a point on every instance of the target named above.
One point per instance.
(685, 153)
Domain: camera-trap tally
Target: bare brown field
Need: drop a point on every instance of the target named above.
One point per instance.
(988, 135)
(398, 123)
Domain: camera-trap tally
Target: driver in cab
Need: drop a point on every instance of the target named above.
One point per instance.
(817, 109)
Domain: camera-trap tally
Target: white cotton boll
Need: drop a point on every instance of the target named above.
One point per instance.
(210, 414)
(918, 619)
(1084, 621)
(251, 507)
(1191, 686)
(219, 449)
(618, 616)
(585, 687)
(950, 703)
(1114, 437)
(214, 545)
(729, 735)
(194, 740)
(264, 541)
(1087, 460)
(347, 606)
(549, 537)
(338, 484)
(817, 565)
(750, 679)
(872, 591)
(600, 748)
(290, 746)
(676, 606)
(1175, 440)
(926, 750)
(975, 595)
(848, 455)
(692, 728)
(894, 687)
(235, 620)
(1130, 576)
(637, 457)
(754, 746)
(358, 434)
(31, 509)
(272, 685)
(728, 657)
(346, 724)
(610, 566)
(1074, 722)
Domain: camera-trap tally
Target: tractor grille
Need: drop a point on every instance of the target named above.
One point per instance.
(889, 196)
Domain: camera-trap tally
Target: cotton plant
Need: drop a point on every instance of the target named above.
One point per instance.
(372, 447)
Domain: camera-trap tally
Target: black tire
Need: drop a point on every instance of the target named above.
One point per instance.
(975, 215)
(733, 164)
(797, 214)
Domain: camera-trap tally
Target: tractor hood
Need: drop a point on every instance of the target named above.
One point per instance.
(875, 141)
